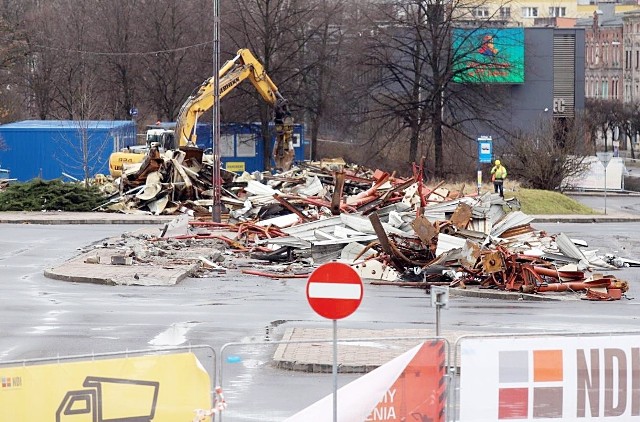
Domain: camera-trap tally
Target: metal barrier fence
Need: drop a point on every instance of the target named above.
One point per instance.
(273, 381)
(543, 376)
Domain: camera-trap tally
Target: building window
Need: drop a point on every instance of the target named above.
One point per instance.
(481, 12)
(587, 90)
(505, 12)
(557, 12)
(605, 90)
(627, 59)
(529, 12)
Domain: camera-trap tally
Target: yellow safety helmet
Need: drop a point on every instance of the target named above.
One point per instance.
(497, 162)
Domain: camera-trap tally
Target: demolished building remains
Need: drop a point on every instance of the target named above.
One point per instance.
(389, 229)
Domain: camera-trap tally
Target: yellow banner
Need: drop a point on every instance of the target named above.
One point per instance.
(235, 166)
(144, 388)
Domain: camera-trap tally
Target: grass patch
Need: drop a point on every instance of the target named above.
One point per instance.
(536, 201)
(533, 201)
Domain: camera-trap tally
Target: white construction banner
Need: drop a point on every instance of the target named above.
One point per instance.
(409, 387)
(550, 379)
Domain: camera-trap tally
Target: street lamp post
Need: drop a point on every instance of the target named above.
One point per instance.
(216, 211)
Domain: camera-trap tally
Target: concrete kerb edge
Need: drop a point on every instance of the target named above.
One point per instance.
(77, 221)
(502, 295)
(79, 279)
(584, 219)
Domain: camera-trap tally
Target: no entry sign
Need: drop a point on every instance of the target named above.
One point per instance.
(334, 290)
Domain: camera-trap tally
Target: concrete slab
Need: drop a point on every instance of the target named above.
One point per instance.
(359, 350)
(140, 274)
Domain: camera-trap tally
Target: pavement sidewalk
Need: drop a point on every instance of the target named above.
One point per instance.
(64, 217)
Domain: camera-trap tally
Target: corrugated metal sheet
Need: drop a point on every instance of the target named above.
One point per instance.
(511, 220)
(49, 148)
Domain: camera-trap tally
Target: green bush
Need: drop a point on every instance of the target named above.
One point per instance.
(51, 195)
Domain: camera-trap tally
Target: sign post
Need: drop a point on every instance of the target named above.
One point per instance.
(485, 153)
(439, 299)
(605, 158)
(334, 291)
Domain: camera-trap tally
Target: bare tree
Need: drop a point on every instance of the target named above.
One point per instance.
(605, 116)
(538, 160)
(323, 59)
(117, 34)
(179, 35)
(84, 152)
(14, 32)
(629, 125)
(430, 85)
(271, 29)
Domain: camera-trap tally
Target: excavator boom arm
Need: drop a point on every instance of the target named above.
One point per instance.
(244, 65)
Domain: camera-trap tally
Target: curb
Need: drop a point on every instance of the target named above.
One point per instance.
(79, 279)
(77, 222)
(503, 295)
(76, 270)
(51, 218)
(584, 219)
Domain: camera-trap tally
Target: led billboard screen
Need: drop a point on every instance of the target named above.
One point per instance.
(488, 55)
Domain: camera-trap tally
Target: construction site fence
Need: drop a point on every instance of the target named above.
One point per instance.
(521, 376)
(259, 380)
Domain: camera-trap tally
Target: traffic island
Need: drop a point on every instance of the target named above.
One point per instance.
(95, 267)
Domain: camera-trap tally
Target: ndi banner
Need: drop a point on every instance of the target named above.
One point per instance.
(488, 55)
(550, 378)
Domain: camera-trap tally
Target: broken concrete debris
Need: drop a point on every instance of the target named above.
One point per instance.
(390, 229)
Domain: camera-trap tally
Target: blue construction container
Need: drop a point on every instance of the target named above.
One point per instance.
(51, 148)
(241, 146)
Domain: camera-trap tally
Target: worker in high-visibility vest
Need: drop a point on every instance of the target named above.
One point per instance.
(498, 174)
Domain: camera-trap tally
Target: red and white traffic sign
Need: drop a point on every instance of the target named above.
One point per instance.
(334, 290)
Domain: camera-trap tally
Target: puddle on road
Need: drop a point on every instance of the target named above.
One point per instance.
(174, 335)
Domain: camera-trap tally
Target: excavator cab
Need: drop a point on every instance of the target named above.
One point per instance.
(164, 138)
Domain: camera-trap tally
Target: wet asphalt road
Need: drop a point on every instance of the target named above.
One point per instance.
(45, 318)
(626, 203)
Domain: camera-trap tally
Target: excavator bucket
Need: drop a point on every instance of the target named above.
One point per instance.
(283, 152)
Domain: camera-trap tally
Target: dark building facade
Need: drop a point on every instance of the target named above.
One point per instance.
(554, 77)
(553, 88)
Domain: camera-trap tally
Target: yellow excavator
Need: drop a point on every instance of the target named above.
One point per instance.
(244, 65)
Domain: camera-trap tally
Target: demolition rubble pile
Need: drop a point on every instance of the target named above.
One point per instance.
(389, 229)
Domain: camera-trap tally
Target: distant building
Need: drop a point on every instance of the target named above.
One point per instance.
(631, 31)
(553, 85)
(604, 53)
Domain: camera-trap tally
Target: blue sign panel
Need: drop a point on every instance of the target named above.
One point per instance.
(485, 149)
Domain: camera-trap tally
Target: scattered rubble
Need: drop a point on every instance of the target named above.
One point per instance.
(390, 229)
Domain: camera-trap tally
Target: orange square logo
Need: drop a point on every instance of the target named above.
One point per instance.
(547, 365)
